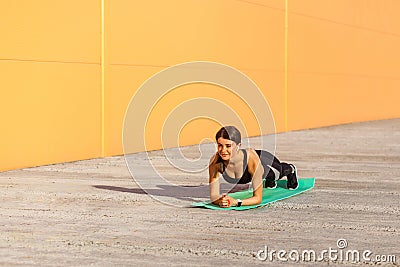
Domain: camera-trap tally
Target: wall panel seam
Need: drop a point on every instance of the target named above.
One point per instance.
(102, 60)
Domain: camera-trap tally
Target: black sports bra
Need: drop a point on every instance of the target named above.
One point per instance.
(246, 177)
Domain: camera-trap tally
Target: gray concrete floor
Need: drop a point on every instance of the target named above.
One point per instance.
(92, 212)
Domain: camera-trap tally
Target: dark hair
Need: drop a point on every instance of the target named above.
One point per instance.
(230, 133)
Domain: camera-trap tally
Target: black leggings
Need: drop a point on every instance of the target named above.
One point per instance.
(267, 160)
(273, 168)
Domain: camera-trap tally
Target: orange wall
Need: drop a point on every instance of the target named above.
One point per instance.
(68, 70)
(344, 61)
(145, 39)
(50, 82)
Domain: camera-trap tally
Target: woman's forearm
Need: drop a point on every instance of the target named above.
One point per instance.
(215, 199)
(254, 200)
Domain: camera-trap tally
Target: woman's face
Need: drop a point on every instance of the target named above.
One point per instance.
(227, 149)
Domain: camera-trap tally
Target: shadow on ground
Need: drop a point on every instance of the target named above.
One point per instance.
(187, 193)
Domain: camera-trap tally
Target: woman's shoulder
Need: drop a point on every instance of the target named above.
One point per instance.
(252, 157)
(251, 153)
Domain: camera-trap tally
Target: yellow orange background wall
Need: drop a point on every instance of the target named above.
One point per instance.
(69, 68)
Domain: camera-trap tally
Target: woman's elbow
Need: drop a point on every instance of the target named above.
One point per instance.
(258, 199)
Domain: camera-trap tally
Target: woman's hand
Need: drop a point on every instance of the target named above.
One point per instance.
(227, 201)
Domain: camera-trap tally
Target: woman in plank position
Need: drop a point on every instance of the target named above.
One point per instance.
(242, 166)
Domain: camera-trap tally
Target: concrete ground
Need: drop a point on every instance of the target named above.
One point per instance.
(91, 213)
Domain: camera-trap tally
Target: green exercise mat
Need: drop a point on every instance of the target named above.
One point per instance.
(269, 195)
